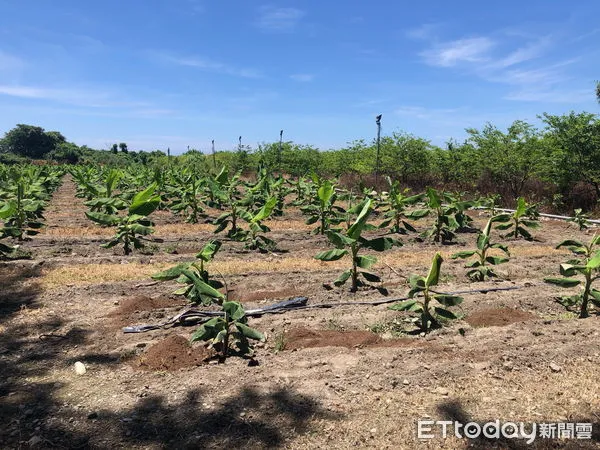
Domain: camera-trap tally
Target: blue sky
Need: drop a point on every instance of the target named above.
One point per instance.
(173, 73)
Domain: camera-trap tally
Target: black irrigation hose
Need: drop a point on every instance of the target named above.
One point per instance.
(190, 315)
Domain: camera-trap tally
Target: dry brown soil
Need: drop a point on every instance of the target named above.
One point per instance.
(339, 377)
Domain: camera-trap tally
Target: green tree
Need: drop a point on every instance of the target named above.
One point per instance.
(123, 147)
(56, 137)
(406, 156)
(357, 158)
(512, 158)
(66, 152)
(30, 141)
(576, 139)
(457, 163)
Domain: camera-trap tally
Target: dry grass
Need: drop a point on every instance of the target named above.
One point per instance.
(82, 274)
(78, 231)
(525, 396)
(186, 229)
(179, 229)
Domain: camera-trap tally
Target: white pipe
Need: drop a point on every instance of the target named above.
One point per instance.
(550, 216)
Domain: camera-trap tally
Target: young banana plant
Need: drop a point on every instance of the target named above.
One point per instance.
(323, 209)
(479, 269)
(459, 208)
(134, 225)
(254, 240)
(228, 194)
(230, 334)
(200, 287)
(102, 198)
(445, 223)
(351, 242)
(280, 191)
(520, 221)
(587, 264)
(395, 204)
(22, 211)
(186, 196)
(491, 203)
(580, 219)
(429, 316)
(301, 190)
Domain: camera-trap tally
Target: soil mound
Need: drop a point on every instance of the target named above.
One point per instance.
(173, 353)
(306, 338)
(500, 317)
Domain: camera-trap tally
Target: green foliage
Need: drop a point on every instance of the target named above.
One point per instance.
(449, 215)
(253, 237)
(230, 334)
(322, 208)
(226, 191)
(394, 206)
(428, 315)
(580, 219)
(296, 160)
(186, 195)
(65, 153)
(479, 269)
(512, 158)
(200, 287)
(22, 203)
(575, 138)
(130, 228)
(301, 189)
(351, 242)
(24, 192)
(491, 202)
(101, 196)
(405, 156)
(31, 141)
(586, 263)
(520, 220)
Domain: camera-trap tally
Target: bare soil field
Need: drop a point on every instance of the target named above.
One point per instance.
(339, 377)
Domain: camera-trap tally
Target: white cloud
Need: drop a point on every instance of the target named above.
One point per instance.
(451, 53)
(585, 36)
(206, 65)
(91, 98)
(513, 67)
(279, 19)
(302, 77)
(528, 52)
(541, 76)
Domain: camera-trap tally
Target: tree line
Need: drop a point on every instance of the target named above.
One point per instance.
(558, 163)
